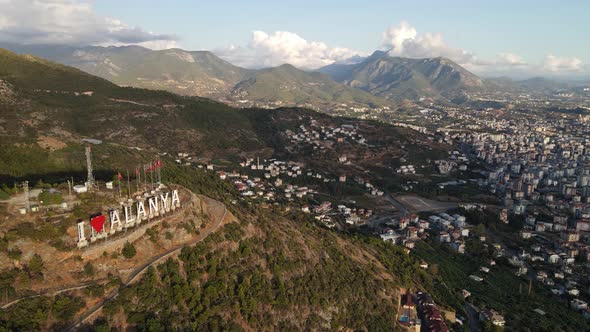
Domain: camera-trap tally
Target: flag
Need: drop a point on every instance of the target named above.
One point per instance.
(136, 171)
(120, 176)
(152, 167)
(159, 163)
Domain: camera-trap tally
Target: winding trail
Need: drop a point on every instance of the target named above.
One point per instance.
(63, 290)
(137, 272)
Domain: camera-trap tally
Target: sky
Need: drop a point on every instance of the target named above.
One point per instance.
(491, 38)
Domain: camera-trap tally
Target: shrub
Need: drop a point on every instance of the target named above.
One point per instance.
(14, 253)
(89, 269)
(128, 250)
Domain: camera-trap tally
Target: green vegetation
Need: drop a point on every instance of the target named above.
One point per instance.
(35, 266)
(220, 284)
(35, 73)
(128, 250)
(89, 269)
(37, 313)
(295, 86)
(14, 253)
(49, 198)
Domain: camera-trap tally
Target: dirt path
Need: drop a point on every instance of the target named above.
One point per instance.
(7, 305)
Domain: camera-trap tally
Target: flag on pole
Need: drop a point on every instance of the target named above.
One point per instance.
(137, 177)
(128, 184)
(119, 176)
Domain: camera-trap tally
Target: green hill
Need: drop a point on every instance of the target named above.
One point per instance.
(293, 86)
(29, 72)
(43, 104)
(197, 73)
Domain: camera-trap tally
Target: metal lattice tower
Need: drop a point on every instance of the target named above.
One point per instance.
(26, 193)
(89, 165)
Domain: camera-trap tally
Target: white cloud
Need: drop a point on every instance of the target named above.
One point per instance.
(510, 59)
(554, 63)
(269, 50)
(404, 40)
(72, 22)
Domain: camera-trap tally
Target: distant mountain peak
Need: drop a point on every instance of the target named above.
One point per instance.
(395, 77)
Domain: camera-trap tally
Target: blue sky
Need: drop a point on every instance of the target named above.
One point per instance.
(518, 38)
(531, 29)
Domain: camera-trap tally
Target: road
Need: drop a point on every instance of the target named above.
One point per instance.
(154, 260)
(472, 316)
(398, 205)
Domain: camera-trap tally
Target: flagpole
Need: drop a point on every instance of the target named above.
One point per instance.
(144, 178)
(119, 180)
(152, 175)
(128, 184)
(137, 177)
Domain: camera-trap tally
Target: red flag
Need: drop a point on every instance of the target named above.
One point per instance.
(120, 176)
(158, 163)
(152, 167)
(97, 222)
(136, 171)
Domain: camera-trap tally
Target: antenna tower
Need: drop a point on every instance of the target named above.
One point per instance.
(26, 192)
(89, 165)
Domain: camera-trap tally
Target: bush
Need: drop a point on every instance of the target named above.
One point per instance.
(128, 250)
(35, 266)
(14, 253)
(89, 269)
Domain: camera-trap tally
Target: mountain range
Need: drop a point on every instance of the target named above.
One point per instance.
(377, 80)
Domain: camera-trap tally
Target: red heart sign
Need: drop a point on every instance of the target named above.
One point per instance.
(97, 223)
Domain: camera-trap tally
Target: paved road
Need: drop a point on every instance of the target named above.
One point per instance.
(398, 205)
(154, 260)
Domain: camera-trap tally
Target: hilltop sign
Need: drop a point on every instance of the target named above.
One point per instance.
(134, 213)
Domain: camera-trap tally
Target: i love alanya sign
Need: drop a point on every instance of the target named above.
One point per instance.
(131, 213)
